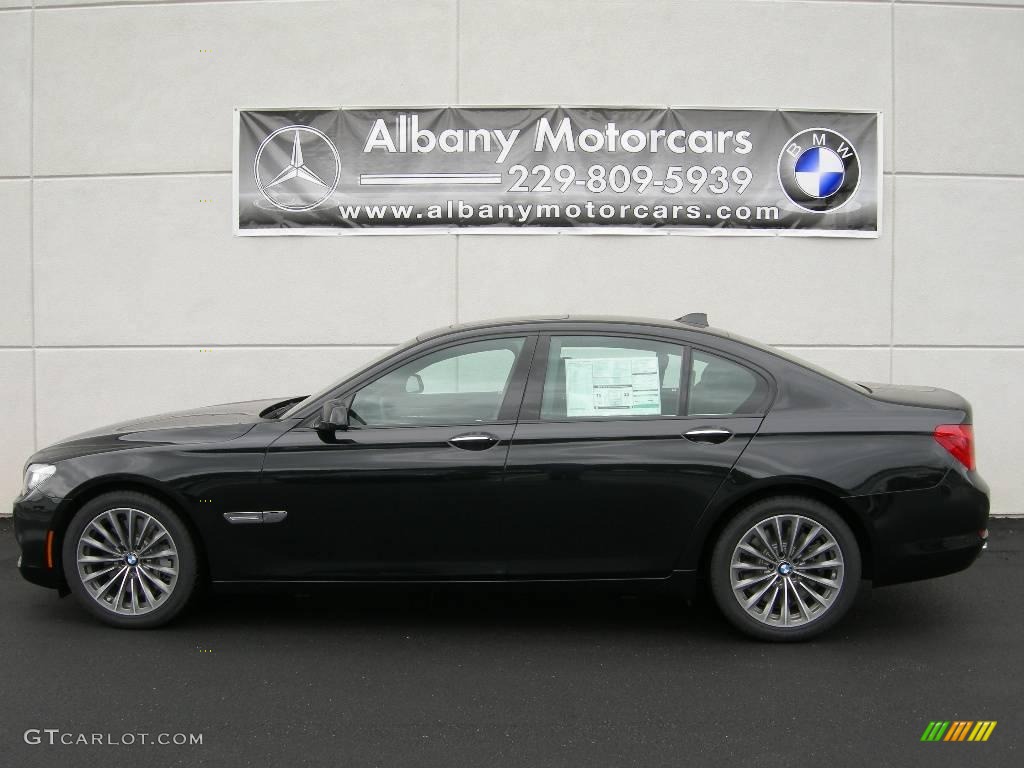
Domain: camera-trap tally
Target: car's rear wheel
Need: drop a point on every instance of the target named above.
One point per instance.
(129, 560)
(785, 568)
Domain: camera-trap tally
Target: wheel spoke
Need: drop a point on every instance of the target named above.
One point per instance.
(818, 550)
(120, 589)
(754, 553)
(794, 528)
(157, 555)
(102, 531)
(815, 530)
(97, 574)
(152, 541)
(804, 610)
(819, 565)
(777, 526)
(150, 600)
(93, 559)
(144, 570)
(161, 569)
(785, 602)
(117, 528)
(99, 545)
(141, 536)
(749, 582)
(752, 601)
(135, 597)
(824, 603)
(823, 582)
(740, 565)
(109, 584)
(771, 601)
(767, 544)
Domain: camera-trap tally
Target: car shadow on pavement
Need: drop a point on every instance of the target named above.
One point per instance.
(906, 610)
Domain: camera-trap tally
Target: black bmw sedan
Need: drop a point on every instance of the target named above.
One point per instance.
(647, 452)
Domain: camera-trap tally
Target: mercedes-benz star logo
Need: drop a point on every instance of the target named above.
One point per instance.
(296, 186)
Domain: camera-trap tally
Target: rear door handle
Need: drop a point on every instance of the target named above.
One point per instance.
(475, 441)
(708, 435)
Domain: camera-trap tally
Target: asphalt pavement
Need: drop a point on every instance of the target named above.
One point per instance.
(485, 679)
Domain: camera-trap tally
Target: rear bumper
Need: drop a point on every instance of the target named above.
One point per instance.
(923, 534)
(34, 516)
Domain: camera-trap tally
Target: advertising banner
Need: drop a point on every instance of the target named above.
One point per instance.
(557, 169)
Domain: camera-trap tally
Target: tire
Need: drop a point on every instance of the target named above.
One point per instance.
(818, 586)
(134, 587)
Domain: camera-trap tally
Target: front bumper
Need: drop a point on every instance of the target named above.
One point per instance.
(35, 516)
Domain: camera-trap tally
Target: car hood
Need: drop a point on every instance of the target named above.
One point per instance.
(214, 423)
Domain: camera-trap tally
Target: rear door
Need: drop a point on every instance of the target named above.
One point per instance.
(621, 444)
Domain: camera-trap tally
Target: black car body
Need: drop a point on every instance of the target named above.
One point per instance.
(301, 491)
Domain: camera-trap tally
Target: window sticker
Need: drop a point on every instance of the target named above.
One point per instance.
(618, 386)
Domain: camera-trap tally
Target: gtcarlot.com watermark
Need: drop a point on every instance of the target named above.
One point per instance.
(57, 737)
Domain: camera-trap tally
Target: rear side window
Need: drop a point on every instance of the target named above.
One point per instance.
(612, 377)
(720, 387)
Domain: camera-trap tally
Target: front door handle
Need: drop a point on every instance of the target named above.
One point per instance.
(476, 441)
(708, 435)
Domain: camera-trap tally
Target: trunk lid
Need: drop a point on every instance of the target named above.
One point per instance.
(920, 397)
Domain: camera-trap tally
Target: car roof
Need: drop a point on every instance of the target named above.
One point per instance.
(556, 320)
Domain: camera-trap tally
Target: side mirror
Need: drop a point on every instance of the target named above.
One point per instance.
(334, 416)
(414, 384)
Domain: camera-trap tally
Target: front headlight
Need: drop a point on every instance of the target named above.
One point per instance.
(36, 475)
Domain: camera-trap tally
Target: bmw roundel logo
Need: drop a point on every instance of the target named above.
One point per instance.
(819, 170)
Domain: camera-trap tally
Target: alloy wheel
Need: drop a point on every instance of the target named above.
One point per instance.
(787, 570)
(127, 561)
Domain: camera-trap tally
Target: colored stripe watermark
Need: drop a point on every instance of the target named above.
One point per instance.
(958, 730)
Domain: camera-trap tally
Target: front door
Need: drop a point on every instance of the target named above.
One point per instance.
(413, 488)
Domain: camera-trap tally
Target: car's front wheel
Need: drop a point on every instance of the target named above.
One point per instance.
(785, 568)
(129, 560)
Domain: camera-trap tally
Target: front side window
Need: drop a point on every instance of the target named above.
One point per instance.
(720, 387)
(611, 377)
(465, 384)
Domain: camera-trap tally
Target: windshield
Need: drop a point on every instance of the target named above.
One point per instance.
(334, 385)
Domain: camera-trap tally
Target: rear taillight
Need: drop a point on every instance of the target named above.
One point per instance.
(958, 439)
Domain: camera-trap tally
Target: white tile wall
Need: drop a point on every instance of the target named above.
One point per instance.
(725, 53)
(781, 290)
(959, 72)
(993, 3)
(16, 263)
(155, 282)
(153, 100)
(854, 363)
(16, 415)
(139, 382)
(960, 266)
(115, 122)
(15, 92)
